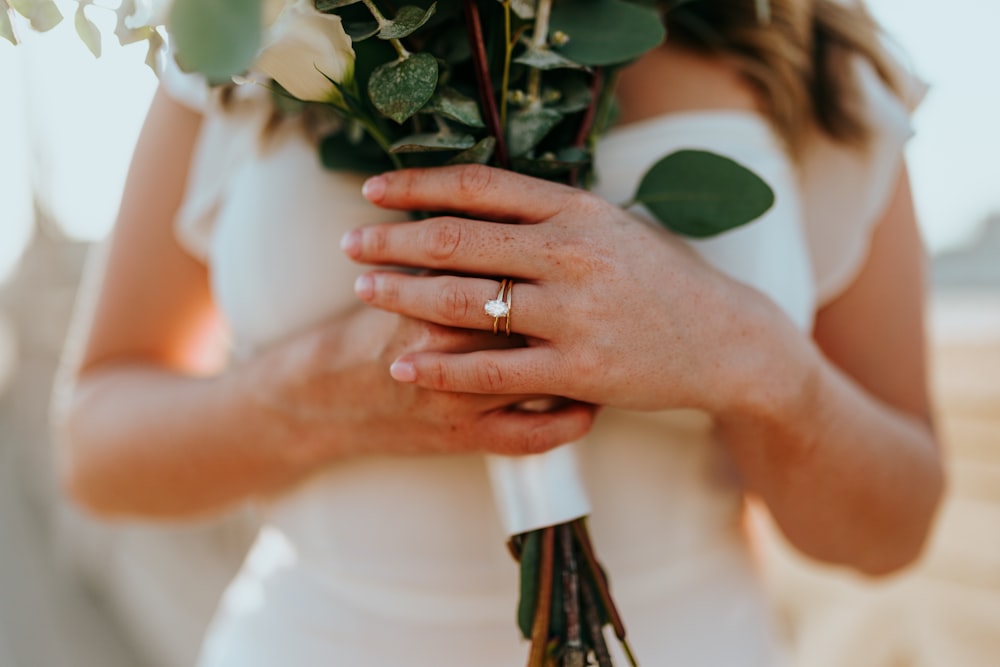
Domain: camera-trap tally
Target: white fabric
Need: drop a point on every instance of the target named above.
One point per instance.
(381, 561)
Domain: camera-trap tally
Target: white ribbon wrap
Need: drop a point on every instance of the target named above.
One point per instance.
(538, 490)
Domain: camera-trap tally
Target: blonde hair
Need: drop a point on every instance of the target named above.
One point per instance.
(799, 61)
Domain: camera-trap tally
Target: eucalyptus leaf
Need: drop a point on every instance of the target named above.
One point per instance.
(407, 20)
(544, 59)
(428, 142)
(42, 15)
(400, 88)
(531, 554)
(330, 5)
(359, 31)
(217, 38)
(701, 194)
(606, 32)
(528, 127)
(87, 31)
(451, 104)
(478, 154)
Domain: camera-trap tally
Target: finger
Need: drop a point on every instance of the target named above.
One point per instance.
(528, 370)
(455, 301)
(452, 244)
(517, 433)
(471, 189)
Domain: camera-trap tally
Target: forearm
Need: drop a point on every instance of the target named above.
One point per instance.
(848, 478)
(142, 440)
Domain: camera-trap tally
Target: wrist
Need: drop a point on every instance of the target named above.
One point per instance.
(775, 371)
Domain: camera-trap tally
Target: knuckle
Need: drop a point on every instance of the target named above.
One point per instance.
(436, 376)
(474, 180)
(490, 377)
(442, 238)
(454, 302)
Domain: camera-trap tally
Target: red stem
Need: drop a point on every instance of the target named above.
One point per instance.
(587, 122)
(475, 29)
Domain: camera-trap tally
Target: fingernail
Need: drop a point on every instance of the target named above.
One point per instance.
(403, 371)
(364, 286)
(350, 243)
(374, 188)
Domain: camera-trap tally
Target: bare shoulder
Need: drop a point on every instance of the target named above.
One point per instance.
(672, 79)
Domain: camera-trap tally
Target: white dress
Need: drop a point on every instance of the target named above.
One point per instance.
(390, 561)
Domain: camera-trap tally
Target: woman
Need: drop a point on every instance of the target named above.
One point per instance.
(783, 360)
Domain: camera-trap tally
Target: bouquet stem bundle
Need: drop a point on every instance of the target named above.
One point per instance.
(565, 598)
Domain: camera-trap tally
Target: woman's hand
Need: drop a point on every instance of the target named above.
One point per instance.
(615, 311)
(332, 389)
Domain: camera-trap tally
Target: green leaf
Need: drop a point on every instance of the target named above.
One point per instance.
(425, 143)
(478, 154)
(329, 5)
(701, 194)
(42, 15)
(6, 28)
(546, 59)
(359, 31)
(528, 127)
(606, 32)
(400, 88)
(531, 552)
(407, 20)
(451, 104)
(87, 31)
(218, 38)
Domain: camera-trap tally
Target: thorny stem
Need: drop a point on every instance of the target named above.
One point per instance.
(475, 29)
(539, 39)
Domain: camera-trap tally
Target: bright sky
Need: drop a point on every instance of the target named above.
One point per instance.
(86, 114)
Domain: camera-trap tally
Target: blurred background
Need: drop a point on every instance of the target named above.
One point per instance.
(74, 591)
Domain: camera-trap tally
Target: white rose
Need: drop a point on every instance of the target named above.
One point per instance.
(155, 12)
(304, 50)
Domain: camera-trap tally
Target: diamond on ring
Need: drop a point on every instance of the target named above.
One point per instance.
(497, 308)
(500, 306)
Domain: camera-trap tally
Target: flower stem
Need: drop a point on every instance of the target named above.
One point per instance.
(508, 52)
(573, 651)
(382, 21)
(373, 130)
(601, 584)
(543, 604)
(539, 39)
(474, 27)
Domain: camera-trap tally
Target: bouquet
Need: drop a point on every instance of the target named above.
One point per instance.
(526, 85)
